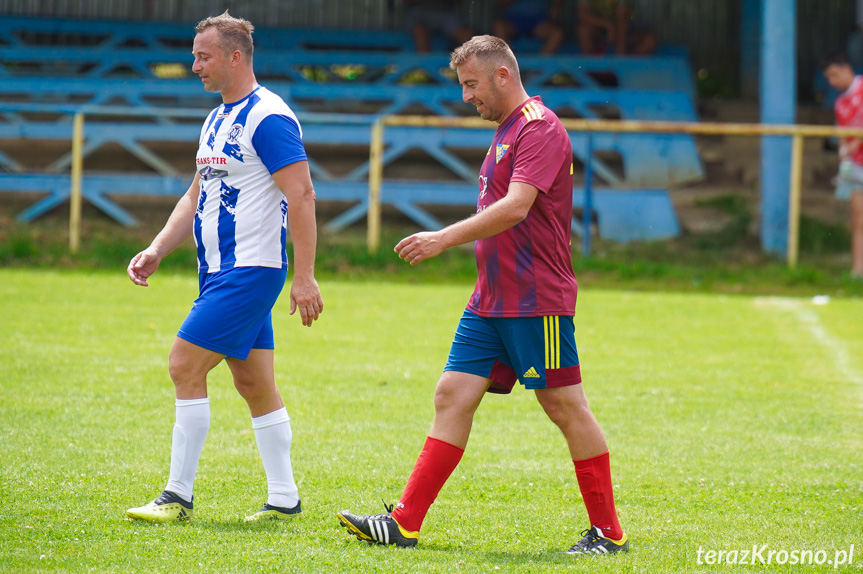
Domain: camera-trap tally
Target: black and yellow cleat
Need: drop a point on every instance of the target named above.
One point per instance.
(593, 542)
(169, 507)
(378, 528)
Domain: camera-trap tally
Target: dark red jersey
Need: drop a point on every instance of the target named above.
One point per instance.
(526, 271)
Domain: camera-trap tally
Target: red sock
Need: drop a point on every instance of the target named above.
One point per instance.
(434, 465)
(594, 481)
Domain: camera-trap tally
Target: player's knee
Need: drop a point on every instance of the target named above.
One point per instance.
(563, 412)
(246, 387)
(556, 412)
(447, 398)
(181, 370)
(443, 398)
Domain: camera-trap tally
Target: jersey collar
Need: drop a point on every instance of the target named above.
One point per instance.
(241, 100)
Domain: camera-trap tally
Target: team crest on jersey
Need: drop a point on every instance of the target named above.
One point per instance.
(501, 150)
(235, 133)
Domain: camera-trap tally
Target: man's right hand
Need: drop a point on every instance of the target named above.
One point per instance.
(420, 246)
(142, 266)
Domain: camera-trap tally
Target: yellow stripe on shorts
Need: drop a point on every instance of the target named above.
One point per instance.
(545, 338)
(557, 340)
(551, 331)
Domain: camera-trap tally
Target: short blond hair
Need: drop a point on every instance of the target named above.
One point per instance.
(234, 33)
(489, 50)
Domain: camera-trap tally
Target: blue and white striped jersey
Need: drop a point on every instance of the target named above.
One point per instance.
(241, 219)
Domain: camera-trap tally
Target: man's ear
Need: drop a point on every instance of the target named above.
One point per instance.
(503, 76)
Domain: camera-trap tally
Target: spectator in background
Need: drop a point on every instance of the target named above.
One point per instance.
(849, 112)
(534, 18)
(854, 46)
(608, 25)
(427, 18)
(826, 94)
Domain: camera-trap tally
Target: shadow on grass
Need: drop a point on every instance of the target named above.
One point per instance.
(230, 525)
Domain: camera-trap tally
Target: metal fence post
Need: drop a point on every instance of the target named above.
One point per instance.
(376, 168)
(794, 200)
(75, 195)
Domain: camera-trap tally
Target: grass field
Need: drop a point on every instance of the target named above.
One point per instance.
(733, 421)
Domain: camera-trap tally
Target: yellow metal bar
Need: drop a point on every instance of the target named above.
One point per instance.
(711, 128)
(376, 171)
(437, 122)
(637, 126)
(794, 200)
(797, 132)
(77, 170)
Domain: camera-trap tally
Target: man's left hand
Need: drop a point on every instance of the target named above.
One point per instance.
(306, 296)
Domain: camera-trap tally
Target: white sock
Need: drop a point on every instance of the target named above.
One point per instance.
(190, 430)
(273, 434)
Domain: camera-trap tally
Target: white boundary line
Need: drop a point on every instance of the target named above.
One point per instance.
(810, 320)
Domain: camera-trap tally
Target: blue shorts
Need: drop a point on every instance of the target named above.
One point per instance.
(233, 312)
(538, 351)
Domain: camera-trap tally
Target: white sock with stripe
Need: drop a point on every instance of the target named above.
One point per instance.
(190, 431)
(273, 435)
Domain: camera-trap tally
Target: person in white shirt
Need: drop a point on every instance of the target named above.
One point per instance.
(252, 179)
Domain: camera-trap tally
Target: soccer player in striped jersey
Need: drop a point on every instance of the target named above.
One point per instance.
(252, 179)
(518, 324)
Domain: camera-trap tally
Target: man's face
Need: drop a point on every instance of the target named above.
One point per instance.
(479, 86)
(213, 67)
(839, 76)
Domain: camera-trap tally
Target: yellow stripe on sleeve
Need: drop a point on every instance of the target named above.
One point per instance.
(531, 111)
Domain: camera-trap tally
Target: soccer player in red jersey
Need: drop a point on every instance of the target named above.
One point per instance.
(849, 112)
(518, 324)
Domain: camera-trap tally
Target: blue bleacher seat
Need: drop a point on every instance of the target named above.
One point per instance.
(61, 66)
